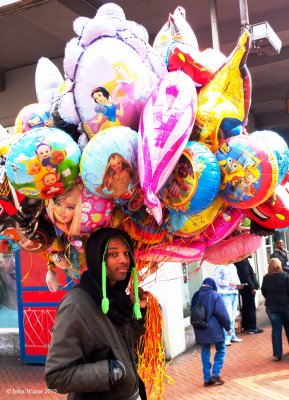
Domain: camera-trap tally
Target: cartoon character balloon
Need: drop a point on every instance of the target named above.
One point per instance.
(43, 163)
(31, 117)
(249, 171)
(194, 182)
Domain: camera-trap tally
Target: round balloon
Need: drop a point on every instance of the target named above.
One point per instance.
(108, 164)
(78, 211)
(190, 224)
(194, 182)
(43, 163)
(249, 171)
(31, 117)
(279, 147)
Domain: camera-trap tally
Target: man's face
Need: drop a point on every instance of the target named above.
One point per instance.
(280, 244)
(117, 260)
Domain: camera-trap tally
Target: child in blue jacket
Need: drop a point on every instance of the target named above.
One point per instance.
(218, 319)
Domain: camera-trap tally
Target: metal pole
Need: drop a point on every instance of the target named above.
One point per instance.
(244, 15)
(214, 25)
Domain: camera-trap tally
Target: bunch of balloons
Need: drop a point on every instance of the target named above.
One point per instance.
(150, 139)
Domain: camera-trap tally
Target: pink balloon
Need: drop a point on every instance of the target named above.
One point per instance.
(165, 126)
(176, 251)
(234, 249)
(223, 225)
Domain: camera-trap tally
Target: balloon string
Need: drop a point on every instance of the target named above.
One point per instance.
(25, 276)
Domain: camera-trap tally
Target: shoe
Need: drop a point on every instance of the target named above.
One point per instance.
(278, 358)
(208, 383)
(216, 380)
(228, 343)
(257, 330)
(236, 339)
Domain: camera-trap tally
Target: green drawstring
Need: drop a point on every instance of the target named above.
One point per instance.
(105, 300)
(136, 306)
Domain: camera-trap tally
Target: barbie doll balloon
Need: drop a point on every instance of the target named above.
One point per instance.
(194, 182)
(249, 171)
(223, 104)
(165, 126)
(43, 163)
(233, 249)
(31, 117)
(77, 211)
(279, 147)
(108, 164)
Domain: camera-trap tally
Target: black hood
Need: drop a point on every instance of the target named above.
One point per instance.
(95, 248)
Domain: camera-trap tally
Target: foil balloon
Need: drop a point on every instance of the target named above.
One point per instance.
(201, 67)
(277, 144)
(233, 249)
(194, 182)
(108, 164)
(165, 126)
(43, 163)
(47, 80)
(223, 104)
(7, 245)
(31, 117)
(188, 224)
(78, 211)
(173, 251)
(226, 222)
(175, 32)
(249, 171)
(142, 227)
(274, 212)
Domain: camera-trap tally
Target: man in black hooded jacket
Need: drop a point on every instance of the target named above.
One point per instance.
(91, 355)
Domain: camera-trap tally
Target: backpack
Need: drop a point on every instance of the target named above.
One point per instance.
(199, 316)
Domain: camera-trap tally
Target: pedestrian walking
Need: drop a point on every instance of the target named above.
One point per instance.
(228, 283)
(275, 289)
(218, 319)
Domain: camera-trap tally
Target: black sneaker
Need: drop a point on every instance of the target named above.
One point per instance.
(208, 383)
(216, 380)
(257, 330)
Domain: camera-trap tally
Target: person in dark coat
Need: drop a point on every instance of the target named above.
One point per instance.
(275, 289)
(92, 350)
(281, 253)
(248, 292)
(218, 319)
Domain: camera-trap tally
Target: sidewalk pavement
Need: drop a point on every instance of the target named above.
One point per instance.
(250, 372)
